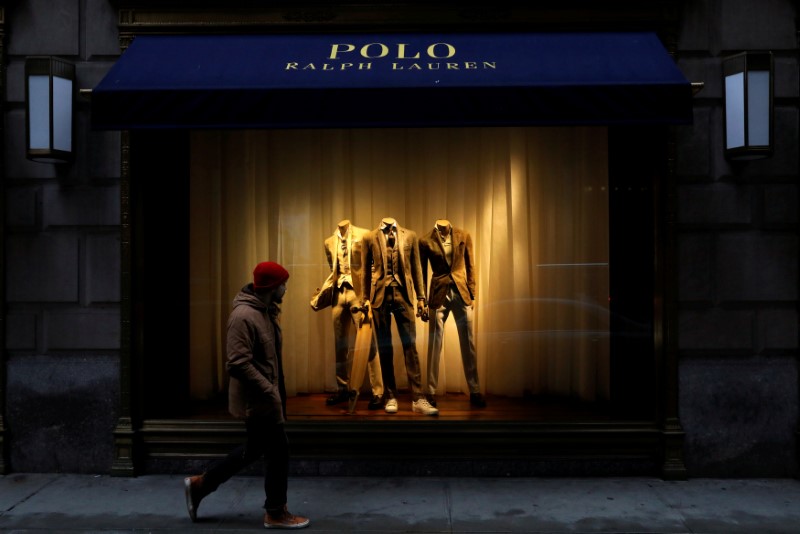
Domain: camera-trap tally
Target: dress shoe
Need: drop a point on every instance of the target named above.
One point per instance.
(337, 398)
(376, 403)
(477, 400)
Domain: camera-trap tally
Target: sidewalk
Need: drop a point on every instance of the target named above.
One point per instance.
(155, 503)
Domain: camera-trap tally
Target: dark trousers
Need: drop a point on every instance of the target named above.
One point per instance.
(394, 303)
(264, 438)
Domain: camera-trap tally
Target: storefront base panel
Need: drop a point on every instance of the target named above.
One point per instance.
(427, 448)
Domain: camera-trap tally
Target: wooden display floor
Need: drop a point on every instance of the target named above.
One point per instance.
(453, 406)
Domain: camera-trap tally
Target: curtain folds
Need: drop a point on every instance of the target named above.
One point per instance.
(535, 201)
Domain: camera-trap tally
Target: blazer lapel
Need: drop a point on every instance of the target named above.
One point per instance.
(458, 246)
(350, 248)
(400, 244)
(438, 240)
(381, 239)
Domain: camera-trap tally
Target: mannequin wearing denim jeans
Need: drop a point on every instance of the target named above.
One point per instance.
(449, 252)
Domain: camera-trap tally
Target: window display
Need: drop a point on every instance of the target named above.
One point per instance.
(533, 202)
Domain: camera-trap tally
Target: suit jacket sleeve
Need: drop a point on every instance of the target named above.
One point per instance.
(469, 262)
(416, 269)
(328, 255)
(423, 258)
(366, 266)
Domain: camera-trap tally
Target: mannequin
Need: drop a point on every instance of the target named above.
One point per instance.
(392, 277)
(344, 253)
(449, 252)
(343, 226)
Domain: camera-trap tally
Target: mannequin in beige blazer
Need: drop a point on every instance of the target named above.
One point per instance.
(449, 252)
(392, 279)
(344, 252)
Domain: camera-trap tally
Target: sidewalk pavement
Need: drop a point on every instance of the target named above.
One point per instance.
(155, 503)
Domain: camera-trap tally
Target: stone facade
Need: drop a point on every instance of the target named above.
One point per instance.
(737, 255)
(62, 256)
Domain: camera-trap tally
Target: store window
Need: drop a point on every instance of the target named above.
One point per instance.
(534, 200)
(563, 245)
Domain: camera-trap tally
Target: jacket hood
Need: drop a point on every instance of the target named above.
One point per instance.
(247, 297)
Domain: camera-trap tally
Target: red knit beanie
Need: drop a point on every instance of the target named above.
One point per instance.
(269, 275)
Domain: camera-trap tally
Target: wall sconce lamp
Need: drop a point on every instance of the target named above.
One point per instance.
(49, 92)
(748, 105)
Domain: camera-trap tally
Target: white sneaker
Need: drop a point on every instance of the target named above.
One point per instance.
(391, 406)
(424, 407)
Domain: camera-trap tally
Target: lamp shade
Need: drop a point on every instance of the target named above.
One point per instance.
(748, 83)
(49, 97)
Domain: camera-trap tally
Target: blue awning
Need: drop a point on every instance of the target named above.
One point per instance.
(361, 80)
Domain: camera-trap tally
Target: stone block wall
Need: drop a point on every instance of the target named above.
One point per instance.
(62, 249)
(738, 254)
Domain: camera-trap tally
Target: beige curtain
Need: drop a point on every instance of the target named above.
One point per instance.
(534, 199)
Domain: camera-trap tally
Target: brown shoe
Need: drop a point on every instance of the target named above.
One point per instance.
(193, 487)
(283, 519)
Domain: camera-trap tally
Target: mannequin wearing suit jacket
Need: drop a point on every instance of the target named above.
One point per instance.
(452, 260)
(344, 250)
(392, 279)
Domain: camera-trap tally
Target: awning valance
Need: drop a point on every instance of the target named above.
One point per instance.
(361, 80)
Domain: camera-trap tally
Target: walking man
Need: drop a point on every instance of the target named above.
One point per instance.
(257, 395)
